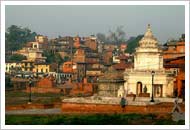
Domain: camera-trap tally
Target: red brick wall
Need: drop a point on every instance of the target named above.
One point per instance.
(91, 44)
(178, 51)
(108, 108)
(45, 83)
(97, 108)
(107, 56)
(82, 89)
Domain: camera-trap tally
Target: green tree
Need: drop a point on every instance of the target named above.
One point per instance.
(15, 58)
(57, 58)
(8, 83)
(66, 58)
(132, 44)
(53, 58)
(16, 37)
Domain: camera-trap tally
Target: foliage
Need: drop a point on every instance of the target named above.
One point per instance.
(16, 37)
(115, 37)
(66, 58)
(15, 58)
(54, 57)
(101, 37)
(132, 44)
(8, 83)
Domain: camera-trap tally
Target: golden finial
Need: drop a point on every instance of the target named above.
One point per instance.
(148, 26)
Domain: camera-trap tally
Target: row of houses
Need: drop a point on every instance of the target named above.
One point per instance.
(91, 60)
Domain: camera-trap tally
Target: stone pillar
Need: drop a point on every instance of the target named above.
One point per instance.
(164, 94)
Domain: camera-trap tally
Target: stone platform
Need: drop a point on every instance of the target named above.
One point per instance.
(139, 101)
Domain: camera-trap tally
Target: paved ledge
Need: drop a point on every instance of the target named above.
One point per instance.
(139, 101)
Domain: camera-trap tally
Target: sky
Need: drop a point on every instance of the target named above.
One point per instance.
(167, 21)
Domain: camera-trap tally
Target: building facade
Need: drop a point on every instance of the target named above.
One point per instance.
(148, 70)
(41, 68)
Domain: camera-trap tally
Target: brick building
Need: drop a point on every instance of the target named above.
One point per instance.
(77, 41)
(79, 56)
(174, 59)
(178, 66)
(91, 42)
(44, 85)
(107, 57)
(174, 49)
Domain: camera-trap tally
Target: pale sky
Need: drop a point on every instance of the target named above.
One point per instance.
(167, 21)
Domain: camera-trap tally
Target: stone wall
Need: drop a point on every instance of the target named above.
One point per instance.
(109, 89)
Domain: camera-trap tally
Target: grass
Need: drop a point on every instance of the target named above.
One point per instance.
(89, 119)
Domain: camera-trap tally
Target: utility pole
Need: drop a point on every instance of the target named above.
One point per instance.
(72, 60)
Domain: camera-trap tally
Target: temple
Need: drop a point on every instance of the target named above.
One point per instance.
(148, 69)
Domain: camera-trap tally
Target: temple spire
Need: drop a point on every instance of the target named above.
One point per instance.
(148, 40)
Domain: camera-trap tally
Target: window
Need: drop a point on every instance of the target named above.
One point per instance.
(46, 70)
(41, 70)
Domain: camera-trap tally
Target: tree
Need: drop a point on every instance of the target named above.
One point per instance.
(101, 37)
(15, 58)
(117, 36)
(132, 44)
(57, 58)
(16, 37)
(53, 58)
(66, 58)
(8, 83)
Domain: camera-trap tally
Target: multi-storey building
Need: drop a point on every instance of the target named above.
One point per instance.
(174, 60)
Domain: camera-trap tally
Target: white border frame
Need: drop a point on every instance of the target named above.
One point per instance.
(4, 3)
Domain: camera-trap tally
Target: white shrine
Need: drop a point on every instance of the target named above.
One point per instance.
(148, 70)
